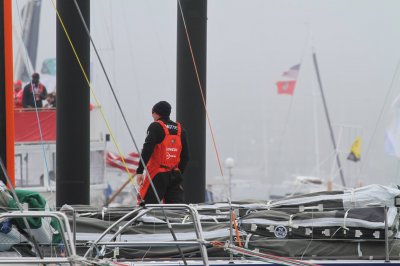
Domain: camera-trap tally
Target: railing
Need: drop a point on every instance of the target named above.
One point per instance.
(27, 129)
(136, 215)
(65, 233)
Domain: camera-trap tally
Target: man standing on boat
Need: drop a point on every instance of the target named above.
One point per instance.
(34, 93)
(166, 154)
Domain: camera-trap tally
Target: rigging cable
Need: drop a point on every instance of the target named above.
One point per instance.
(392, 83)
(122, 113)
(116, 99)
(30, 69)
(21, 209)
(261, 255)
(236, 229)
(95, 97)
(200, 88)
(312, 236)
(287, 116)
(327, 116)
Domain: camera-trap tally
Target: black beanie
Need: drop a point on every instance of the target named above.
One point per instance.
(162, 108)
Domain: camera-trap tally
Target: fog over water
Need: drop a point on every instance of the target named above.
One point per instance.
(273, 138)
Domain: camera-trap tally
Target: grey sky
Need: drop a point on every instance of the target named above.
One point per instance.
(250, 44)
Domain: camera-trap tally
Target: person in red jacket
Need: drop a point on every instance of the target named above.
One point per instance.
(18, 94)
(166, 154)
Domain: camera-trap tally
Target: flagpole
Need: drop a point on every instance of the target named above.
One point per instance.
(113, 196)
(328, 119)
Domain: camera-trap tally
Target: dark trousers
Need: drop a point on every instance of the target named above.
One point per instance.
(168, 186)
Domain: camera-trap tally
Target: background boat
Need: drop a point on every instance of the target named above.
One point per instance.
(35, 154)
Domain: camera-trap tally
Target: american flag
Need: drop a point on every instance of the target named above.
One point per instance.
(131, 161)
(293, 72)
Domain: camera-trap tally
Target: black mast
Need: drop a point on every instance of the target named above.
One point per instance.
(328, 120)
(73, 100)
(189, 103)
